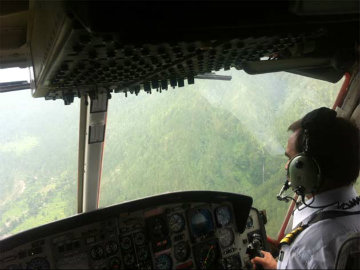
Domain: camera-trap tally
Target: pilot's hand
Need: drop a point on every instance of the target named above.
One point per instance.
(267, 262)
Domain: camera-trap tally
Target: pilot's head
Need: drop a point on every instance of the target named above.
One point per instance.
(332, 142)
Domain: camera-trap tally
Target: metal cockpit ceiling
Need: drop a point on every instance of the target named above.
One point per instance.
(87, 47)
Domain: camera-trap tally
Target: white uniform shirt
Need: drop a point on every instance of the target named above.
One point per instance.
(317, 246)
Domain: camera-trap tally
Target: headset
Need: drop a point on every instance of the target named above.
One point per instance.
(303, 170)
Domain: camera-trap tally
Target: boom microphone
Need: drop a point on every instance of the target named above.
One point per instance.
(285, 187)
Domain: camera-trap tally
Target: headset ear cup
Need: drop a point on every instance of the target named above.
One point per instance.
(304, 173)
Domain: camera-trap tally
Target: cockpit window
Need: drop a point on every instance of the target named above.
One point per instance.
(213, 135)
(38, 157)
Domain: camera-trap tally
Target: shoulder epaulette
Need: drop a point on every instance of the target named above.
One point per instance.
(290, 237)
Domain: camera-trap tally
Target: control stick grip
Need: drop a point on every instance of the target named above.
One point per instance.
(254, 249)
(257, 245)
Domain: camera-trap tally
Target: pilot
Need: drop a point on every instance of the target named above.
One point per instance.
(323, 165)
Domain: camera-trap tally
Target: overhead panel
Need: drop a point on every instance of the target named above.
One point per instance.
(85, 48)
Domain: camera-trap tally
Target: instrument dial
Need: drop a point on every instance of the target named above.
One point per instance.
(129, 259)
(143, 253)
(201, 222)
(223, 215)
(97, 252)
(111, 247)
(125, 242)
(176, 223)
(158, 228)
(139, 238)
(181, 251)
(163, 262)
(226, 237)
(249, 222)
(208, 256)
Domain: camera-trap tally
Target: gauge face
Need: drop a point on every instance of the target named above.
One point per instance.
(129, 259)
(223, 215)
(201, 222)
(207, 255)
(163, 262)
(111, 247)
(38, 263)
(97, 252)
(158, 229)
(226, 237)
(143, 253)
(139, 238)
(249, 222)
(125, 242)
(181, 251)
(176, 223)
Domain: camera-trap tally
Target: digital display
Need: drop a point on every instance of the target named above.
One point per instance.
(201, 222)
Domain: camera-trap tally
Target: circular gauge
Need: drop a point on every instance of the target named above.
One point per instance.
(208, 256)
(38, 263)
(181, 251)
(201, 222)
(143, 254)
(97, 252)
(223, 215)
(111, 247)
(249, 222)
(139, 238)
(125, 242)
(129, 259)
(163, 262)
(226, 237)
(114, 263)
(158, 229)
(176, 223)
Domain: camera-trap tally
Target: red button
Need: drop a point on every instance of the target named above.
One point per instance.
(186, 265)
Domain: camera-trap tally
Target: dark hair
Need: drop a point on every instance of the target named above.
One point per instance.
(332, 141)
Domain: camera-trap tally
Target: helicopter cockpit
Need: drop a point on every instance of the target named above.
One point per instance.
(93, 51)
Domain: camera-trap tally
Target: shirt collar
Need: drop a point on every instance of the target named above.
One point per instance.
(342, 194)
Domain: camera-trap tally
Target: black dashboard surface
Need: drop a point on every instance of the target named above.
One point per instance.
(181, 230)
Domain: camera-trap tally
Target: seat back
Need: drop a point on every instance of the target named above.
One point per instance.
(348, 256)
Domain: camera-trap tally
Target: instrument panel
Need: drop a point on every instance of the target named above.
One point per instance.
(183, 230)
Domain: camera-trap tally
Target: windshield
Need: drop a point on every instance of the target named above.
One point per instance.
(213, 135)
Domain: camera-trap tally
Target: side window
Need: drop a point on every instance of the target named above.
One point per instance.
(38, 157)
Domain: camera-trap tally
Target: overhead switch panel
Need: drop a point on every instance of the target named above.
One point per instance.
(81, 47)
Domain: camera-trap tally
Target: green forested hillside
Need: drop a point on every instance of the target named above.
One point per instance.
(38, 161)
(213, 135)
